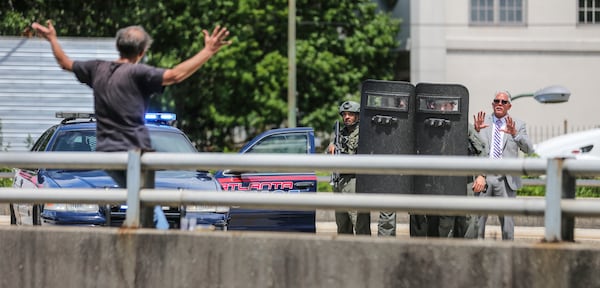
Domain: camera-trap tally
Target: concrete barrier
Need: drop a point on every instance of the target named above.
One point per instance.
(111, 257)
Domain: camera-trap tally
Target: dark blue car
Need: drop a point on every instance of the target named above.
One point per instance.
(77, 132)
(299, 140)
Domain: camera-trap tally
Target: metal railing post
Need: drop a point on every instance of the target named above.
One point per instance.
(134, 168)
(553, 214)
(147, 212)
(568, 222)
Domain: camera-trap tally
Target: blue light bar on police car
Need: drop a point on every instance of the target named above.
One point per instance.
(160, 116)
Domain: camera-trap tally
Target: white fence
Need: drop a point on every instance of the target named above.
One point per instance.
(558, 207)
(539, 134)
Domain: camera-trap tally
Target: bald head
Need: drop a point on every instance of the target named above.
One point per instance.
(132, 41)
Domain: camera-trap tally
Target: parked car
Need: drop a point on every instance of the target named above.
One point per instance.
(300, 140)
(77, 132)
(580, 145)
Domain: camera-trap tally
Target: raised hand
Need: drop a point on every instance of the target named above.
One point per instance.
(47, 32)
(217, 40)
(510, 126)
(479, 121)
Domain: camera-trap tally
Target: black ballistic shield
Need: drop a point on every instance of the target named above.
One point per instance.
(441, 128)
(386, 127)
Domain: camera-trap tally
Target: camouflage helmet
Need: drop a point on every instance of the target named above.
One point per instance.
(349, 106)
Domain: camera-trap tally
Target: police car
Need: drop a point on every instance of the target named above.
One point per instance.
(299, 140)
(77, 132)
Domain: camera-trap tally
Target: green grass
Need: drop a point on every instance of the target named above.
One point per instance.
(5, 182)
(581, 192)
(324, 186)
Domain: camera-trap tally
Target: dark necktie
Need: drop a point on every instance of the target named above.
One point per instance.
(497, 140)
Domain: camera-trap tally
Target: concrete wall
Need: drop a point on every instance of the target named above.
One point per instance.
(87, 257)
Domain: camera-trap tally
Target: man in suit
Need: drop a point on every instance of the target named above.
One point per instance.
(504, 137)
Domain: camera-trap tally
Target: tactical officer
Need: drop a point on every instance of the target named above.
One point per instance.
(454, 226)
(476, 148)
(345, 141)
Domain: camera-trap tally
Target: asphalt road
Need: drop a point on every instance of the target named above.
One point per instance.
(329, 227)
(522, 233)
(493, 232)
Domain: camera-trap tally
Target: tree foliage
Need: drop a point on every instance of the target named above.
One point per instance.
(340, 43)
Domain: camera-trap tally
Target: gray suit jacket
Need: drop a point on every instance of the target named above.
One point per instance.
(510, 146)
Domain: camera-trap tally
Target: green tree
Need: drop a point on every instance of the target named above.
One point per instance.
(340, 43)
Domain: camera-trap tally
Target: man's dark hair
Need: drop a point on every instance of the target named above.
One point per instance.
(132, 41)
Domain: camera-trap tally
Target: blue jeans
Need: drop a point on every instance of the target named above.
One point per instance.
(160, 220)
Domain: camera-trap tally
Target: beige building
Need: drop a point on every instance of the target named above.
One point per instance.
(515, 45)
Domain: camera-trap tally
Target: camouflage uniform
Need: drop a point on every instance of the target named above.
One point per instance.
(350, 222)
(386, 226)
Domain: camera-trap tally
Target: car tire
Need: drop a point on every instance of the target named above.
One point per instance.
(36, 216)
(13, 217)
(107, 215)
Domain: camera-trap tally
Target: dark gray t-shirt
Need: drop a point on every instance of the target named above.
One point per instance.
(121, 96)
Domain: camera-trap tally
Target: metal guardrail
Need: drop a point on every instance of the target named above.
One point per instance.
(526, 182)
(558, 207)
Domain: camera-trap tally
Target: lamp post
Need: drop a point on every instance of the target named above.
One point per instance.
(550, 94)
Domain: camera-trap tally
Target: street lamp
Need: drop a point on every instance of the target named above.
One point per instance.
(550, 94)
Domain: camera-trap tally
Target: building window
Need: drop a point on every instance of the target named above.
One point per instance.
(482, 11)
(589, 11)
(497, 12)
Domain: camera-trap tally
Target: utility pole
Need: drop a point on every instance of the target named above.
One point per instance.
(292, 63)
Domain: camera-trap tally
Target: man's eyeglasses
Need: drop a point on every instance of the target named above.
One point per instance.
(504, 102)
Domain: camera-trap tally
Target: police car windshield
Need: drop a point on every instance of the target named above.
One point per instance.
(85, 141)
(163, 141)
